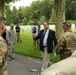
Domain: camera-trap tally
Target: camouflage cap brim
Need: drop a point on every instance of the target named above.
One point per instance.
(66, 23)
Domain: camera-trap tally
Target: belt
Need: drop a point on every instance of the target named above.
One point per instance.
(44, 46)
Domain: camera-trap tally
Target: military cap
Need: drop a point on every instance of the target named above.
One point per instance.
(11, 25)
(66, 23)
(2, 19)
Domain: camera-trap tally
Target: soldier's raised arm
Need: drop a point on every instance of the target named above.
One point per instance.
(60, 45)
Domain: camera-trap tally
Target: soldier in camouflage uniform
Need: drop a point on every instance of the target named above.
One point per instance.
(3, 49)
(36, 42)
(67, 43)
(11, 40)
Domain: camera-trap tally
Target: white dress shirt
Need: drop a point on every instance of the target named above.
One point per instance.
(45, 37)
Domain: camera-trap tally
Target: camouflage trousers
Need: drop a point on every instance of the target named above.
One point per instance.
(10, 50)
(3, 65)
(18, 37)
(65, 54)
(36, 43)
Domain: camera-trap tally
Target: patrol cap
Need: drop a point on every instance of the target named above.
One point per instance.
(11, 25)
(67, 23)
(2, 19)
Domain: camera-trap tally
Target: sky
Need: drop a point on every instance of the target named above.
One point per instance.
(22, 3)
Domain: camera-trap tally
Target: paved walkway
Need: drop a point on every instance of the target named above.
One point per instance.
(22, 65)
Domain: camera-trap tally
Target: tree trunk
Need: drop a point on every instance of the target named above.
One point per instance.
(59, 9)
(2, 8)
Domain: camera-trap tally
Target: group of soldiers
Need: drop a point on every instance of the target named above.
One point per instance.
(65, 47)
(7, 42)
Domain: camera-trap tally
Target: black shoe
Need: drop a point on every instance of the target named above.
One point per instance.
(9, 59)
(12, 57)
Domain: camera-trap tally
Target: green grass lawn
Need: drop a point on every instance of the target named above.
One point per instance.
(26, 47)
(73, 21)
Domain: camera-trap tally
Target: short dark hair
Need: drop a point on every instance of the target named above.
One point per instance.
(47, 22)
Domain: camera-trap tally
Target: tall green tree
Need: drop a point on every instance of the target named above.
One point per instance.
(70, 9)
(8, 1)
(25, 11)
(42, 20)
(24, 21)
(9, 16)
(15, 15)
(2, 6)
(53, 17)
(46, 8)
(20, 14)
(34, 10)
(38, 9)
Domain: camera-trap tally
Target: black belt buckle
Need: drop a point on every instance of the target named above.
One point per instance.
(44, 46)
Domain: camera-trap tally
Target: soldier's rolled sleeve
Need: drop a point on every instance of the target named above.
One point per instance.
(60, 45)
(7, 36)
(0, 59)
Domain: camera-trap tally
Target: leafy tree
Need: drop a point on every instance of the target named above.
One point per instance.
(24, 21)
(34, 9)
(25, 12)
(20, 15)
(30, 22)
(70, 9)
(2, 6)
(8, 1)
(46, 8)
(73, 10)
(53, 17)
(15, 15)
(42, 20)
(37, 9)
(9, 16)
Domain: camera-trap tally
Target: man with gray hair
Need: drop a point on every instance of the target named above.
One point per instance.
(11, 40)
(67, 43)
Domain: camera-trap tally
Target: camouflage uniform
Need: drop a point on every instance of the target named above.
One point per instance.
(18, 34)
(3, 54)
(66, 45)
(36, 42)
(11, 39)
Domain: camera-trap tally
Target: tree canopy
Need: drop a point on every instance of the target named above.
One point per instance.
(70, 8)
(8, 1)
(50, 10)
(45, 8)
(35, 11)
